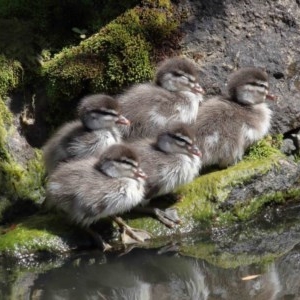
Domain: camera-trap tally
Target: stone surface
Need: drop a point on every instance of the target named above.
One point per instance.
(223, 35)
(283, 177)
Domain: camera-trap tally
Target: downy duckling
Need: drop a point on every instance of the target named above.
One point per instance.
(174, 96)
(171, 160)
(227, 125)
(90, 189)
(92, 134)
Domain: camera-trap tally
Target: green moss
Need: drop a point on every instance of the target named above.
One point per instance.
(37, 233)
(120, 54)
(5, 123)
(265, 148)
(10, 75)
(245, 211)
(201, 198)
(17, 181)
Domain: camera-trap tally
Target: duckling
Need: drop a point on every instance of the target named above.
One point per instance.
(174, 96)
(90, 189)
(95, 130)
(171, 160)
(227, 125)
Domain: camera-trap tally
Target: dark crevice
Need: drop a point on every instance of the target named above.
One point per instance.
(278, 75)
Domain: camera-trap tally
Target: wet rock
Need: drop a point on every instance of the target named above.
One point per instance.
(282, 178)
(288, 147)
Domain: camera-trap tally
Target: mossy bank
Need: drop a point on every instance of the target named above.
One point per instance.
(204, 205)
(21, 169)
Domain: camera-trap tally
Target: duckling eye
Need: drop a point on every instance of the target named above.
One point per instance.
(178, 74)
(105, 113)
(259, 85)
(108, 113)
(179, 140)
(128, 163)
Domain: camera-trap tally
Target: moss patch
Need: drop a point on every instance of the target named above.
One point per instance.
(200, 199)
(265, 148)
(36, 233)
(10, 74)
(120, 54)
(17, 181)
(244, 211)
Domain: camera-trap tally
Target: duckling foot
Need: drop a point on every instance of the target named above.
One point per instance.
(169, 216)
(131, 235)
(99, 240)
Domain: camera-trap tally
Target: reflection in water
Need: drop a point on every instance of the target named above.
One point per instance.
(138, 275)
(144, 275)
(160, 275)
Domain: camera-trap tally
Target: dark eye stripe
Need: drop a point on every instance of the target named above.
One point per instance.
(177, 74)
(176, 137)
(259, 84)
(105, 113)
(189, 78)
(128, 162)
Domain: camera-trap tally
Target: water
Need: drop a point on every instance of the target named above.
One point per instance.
(255, 261)
(144, 274)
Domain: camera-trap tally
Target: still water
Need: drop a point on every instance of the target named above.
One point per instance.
(262, 261)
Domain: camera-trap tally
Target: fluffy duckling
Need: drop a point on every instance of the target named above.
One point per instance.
(90, 189)
(174, 96)
(92, 134)
(227, 125)
(171, 160)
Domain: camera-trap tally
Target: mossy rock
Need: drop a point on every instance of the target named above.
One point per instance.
(39, 233)
(200, 207)
(120, 54)
(21, 170)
